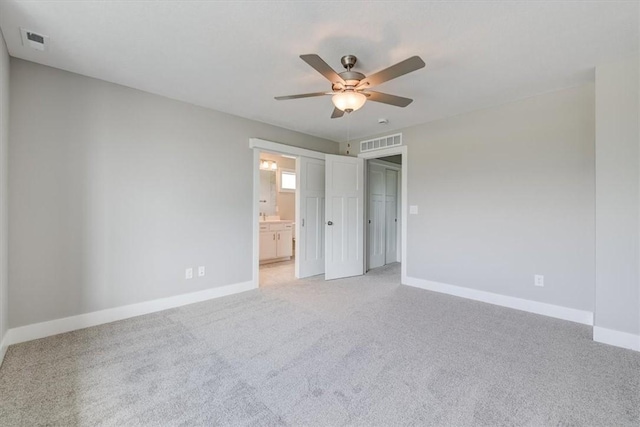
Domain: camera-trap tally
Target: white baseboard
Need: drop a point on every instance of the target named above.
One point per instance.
(3, 348)
(559, 312)
(617, 338)
(67, 324)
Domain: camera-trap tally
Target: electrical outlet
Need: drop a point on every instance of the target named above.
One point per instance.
(188, 273)
(201, 271)
(538, 280)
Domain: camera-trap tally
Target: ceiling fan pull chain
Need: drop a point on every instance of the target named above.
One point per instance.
(348, 129)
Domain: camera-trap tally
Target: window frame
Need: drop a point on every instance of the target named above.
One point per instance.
(279, 176)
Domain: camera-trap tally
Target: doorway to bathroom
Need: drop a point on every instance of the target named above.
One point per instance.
(277, 218)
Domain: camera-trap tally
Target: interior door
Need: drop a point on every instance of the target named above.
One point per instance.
(310, 207)
(344, 216)
(391, 216)
(377, 213)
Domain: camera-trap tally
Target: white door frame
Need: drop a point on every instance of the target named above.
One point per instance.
(259, 145)
(392, 151)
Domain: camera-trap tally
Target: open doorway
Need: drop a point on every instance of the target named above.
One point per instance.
(386, 209)
(272, 257)
(277, 218)
(383, 211)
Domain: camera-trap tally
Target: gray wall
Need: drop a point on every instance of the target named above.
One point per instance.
(4, 174)
(617, 197)
(114, 192)
(505, 193)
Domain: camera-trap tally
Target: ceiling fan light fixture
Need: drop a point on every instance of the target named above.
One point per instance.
(346, 86)
(348, 101)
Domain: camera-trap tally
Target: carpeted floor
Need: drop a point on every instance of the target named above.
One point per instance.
(361, 351)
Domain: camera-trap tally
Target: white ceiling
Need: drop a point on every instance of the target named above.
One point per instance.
(236, 56)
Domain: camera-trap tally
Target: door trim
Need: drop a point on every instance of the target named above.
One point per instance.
(261, 145)
(276, 147)
(404, 177)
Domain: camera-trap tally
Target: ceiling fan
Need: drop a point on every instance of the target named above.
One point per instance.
(350, 89)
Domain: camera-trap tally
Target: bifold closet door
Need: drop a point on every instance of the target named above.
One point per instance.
(391, 216)
(376, 222)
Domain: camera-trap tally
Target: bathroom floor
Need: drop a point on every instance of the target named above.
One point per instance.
(277, 273)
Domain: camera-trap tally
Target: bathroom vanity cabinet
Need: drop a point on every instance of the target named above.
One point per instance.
(276, 241)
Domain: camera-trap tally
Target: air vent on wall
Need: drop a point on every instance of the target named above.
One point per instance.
(383, 142)
(34, 40)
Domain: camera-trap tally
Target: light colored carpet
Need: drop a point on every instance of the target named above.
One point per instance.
(362, 351)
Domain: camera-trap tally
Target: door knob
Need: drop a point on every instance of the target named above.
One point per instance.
(330, 223)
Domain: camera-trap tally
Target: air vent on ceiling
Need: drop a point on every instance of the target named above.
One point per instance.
(34, 40)
(378, 143)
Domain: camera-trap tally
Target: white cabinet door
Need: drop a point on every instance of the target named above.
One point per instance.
(268, 245)
(344, 216)
(310, 217)
(284, 243)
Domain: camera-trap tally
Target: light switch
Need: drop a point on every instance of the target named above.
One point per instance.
(188, 273)
(413, 210)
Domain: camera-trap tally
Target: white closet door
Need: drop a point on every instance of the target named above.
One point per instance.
(344, 216)
(391, 216)
(310, 211)
(377, 212)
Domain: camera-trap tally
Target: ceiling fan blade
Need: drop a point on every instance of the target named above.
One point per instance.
(323, 68)
(301, 95)
(337, 113)
(401, 68)
(385, 98)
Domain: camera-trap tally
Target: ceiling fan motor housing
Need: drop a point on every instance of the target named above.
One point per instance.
(348, 61)
(352, 78)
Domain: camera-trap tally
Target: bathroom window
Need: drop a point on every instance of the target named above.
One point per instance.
(287, 180)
